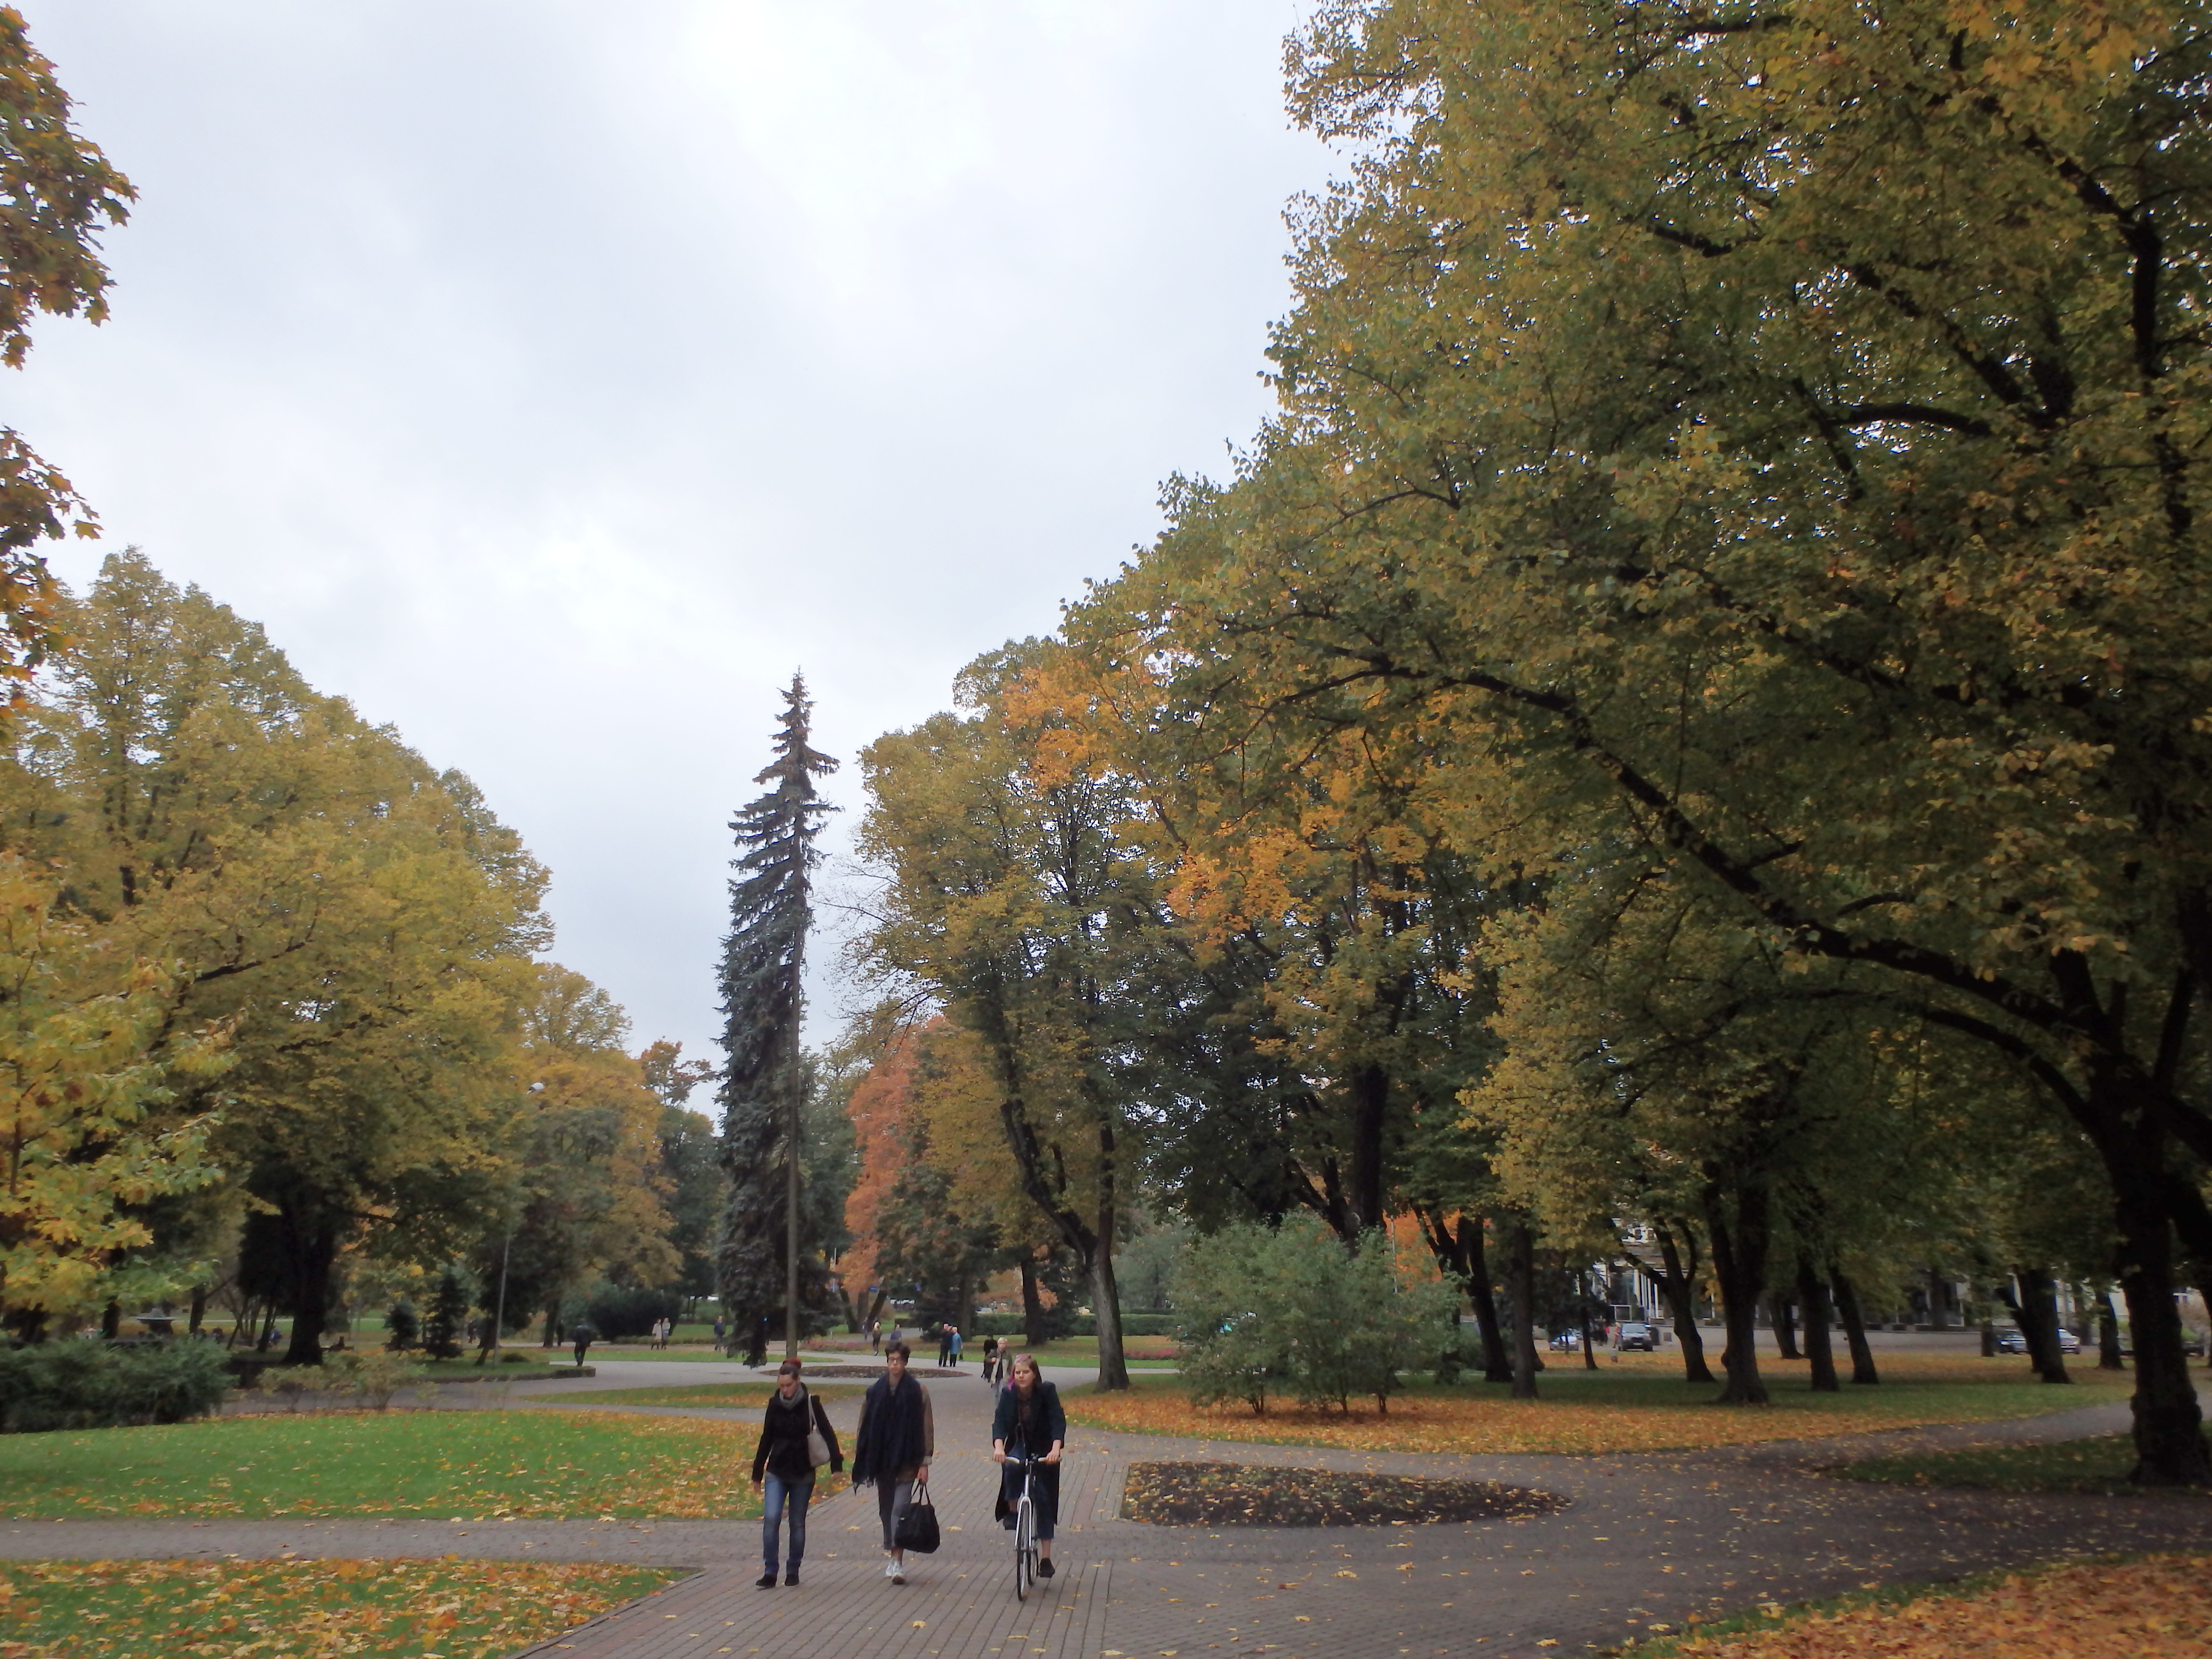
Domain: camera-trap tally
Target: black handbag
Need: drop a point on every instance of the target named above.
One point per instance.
(917, 1527)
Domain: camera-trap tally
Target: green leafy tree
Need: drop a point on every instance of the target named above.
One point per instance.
(1768, 441)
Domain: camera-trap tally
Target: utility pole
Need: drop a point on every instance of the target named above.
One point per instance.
(499, 1314)
(791, 1206)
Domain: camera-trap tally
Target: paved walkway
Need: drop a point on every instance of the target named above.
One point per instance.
(1643, 1540)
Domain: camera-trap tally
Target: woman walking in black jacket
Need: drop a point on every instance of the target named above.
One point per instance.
(792, 1413)
(1029, 1424)
(891, 1452)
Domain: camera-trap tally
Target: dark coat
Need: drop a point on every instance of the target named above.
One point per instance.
(1048, 1423)
(783, 1449)
(897, 1432)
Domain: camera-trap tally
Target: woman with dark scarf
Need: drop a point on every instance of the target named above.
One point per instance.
(1029, 1422)
(792, 1413)
(897, 1438)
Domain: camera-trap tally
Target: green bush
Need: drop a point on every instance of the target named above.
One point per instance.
(82, 1382)
(1292, 1309)
(615, 1312)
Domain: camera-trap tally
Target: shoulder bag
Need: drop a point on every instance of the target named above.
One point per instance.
(917, 1527)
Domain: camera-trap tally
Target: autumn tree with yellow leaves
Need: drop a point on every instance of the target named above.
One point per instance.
(1767, 442)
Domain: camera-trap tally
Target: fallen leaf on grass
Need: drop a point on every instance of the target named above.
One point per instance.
(2151, 1609)
(304, 1609)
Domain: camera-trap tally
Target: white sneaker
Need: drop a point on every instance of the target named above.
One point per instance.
(890, 1569)
(898, 1573)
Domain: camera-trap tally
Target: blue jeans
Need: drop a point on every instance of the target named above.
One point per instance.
(778, 1495)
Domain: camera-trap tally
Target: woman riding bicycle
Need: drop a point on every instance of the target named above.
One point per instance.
(1030, 1423)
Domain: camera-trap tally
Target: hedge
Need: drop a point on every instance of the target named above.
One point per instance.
(83, 1383)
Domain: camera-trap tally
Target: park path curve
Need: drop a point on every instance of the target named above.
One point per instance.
(1643, 1540)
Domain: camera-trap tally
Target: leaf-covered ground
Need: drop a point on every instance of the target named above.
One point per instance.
(302, 1610)
(698, 1393)
(2147, 1609)
(1641, 1404)
(2097, 1465)
(473, 1465)
(1248, 1495)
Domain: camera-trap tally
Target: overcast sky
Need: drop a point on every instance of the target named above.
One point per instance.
(553, 378)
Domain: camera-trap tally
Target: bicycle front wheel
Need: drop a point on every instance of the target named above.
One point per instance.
(1024, 1549)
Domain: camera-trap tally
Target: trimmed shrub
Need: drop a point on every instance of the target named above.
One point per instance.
(617, 1313)
(82, 1382)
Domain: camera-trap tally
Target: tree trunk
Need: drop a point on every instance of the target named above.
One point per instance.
(1521, 1291)
(1459, 1251)
(1782, 1312)
(552, 1322)
(1813, 1297)
(1847, 1308)
(1679, 1287)
(1589, 1359)
(2043, 1355)
(312, 1246)
(2108, 1334)
(1370, 1098)
(199, 1310)
(1032, 1304)
(1105, 1289)
(1739, 1265)
(2169, 1438)
(2041, 1299)
(110, 1319)
(1106, 1302)
(1496, 1363)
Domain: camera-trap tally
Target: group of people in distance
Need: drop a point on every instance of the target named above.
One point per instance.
(892, 1452)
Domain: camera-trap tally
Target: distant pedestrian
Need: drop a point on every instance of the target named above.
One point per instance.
(991, 1360)
(956, 1347)
(719, 1328)
(581, 1334)
(875, 1336)
(792, 1414)
(891, 1452)
(944, 1344)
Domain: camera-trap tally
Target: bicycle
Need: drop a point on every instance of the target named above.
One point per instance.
(1026, 1549)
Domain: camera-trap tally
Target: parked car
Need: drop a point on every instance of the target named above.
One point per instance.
(1566, 1341)
(2011, 1340)
(1635, 1334)
(2068, 1342)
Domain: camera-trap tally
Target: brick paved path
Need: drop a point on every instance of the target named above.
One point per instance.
(1644, 1539)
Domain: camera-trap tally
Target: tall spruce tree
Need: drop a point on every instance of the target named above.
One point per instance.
(762, 1269)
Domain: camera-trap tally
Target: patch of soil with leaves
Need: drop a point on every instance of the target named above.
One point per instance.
(1253, 1495)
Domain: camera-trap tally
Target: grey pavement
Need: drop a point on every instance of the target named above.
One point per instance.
(1643, 1540)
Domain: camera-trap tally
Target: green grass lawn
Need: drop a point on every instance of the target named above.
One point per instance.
(702, 1394)
(305, 1610)
(472, 1464)
(2099, 1465)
